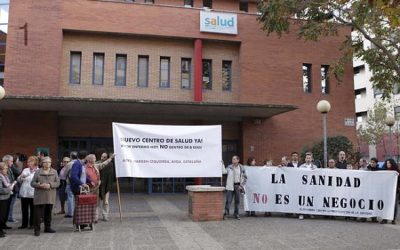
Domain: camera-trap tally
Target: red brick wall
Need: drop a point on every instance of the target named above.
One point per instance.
(24, 131)
(206, 206)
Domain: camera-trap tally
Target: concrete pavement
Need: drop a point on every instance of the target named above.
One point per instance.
(162, 222)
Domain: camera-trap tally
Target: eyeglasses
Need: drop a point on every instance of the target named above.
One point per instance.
(46, 162)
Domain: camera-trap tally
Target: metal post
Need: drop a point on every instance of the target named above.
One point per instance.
(325, 143)
(390, 142)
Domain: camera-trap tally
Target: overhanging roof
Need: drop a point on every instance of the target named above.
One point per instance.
(144, 109)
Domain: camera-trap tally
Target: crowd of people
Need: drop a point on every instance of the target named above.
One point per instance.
(37, 182)
(237, 178)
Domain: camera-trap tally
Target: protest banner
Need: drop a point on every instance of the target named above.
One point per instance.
(332, 192)
(160, 151)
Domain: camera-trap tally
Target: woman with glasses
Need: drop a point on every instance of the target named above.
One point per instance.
(45, 181)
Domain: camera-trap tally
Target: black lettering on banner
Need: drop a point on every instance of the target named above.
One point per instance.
(307, 201)
(281, 179)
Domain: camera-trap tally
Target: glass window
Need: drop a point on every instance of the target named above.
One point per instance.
(244, 5)
(325, 79)
(4, 7)
(307, 81)
(143, 71)
(149, 1)
(120, 70)
(397, 113)
(226, 75)
(186, 73)
(75, 68)
(207, 3)
(188, 3)
(98, 68)
(207, 74)
(164, 72)
(358, 69)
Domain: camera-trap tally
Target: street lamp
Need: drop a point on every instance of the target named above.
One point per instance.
(2, 92)
(390, 122)
(323, 107)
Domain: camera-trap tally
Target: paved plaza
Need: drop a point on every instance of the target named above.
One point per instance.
(161, 222)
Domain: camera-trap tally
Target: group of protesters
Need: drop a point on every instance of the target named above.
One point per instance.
(236, 177)
(36, 185)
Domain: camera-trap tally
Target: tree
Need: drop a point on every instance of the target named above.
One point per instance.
(335, 145)
(376, 21)
(373, 131)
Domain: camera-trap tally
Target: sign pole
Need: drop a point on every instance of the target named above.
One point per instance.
(119, 202)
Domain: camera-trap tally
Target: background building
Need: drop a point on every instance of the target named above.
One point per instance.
(74, 67)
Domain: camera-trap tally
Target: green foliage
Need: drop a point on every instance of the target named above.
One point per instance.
(335, 145)
(373, 131)
(375, 21)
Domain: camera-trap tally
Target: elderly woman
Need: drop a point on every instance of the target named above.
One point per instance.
(93, 175)
(26, 191)
(6, 188)
(45, 181)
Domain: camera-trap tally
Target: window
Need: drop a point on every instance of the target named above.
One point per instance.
(360, 93)
(226, 75)
(149, 1)
(378, 93)
(325, 79)
(358, 69)
(143, 71)
(98, 68)
(361, 116)
(120, 70)
(244, 5)
(307, 81)
(75, 68)
(397, 113)
(207, 3)
(164, 72)
(186, 73)
(207, 74)
(188, 3)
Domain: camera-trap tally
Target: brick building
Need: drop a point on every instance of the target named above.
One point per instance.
(74, 67)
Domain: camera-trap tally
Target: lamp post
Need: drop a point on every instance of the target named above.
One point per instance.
(390, 122)
(323, 107)
(2, 92)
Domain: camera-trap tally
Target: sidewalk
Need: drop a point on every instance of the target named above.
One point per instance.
(161, 222)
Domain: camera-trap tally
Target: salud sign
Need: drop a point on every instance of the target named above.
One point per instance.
(216, 22)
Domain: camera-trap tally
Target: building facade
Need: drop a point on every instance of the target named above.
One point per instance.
(74, 67)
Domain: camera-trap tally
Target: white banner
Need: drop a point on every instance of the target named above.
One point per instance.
(217, 22)
(333, 192)
(167, 151)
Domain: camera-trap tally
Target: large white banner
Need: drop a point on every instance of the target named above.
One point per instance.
(332, 192)
(167, 151)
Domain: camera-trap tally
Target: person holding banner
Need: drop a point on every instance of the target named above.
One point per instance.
(236, 178)
(251, 162)
(391, 165)
(308, 164)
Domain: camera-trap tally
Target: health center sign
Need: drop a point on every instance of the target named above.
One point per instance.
(157, 151)
(216, 22)
(334, 192)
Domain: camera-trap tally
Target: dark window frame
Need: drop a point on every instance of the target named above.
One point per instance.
(207, 3)
(169, 72)
(147, 70)
(227, 62)
(210, 83)
(70, 66)
(188, 3)
(116, 69)
(244, 5)
(94, 68)
(309, 77)
(190, 72)
(325, 78)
